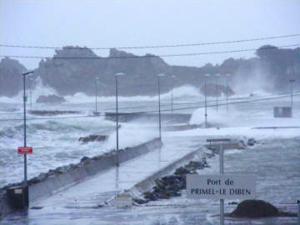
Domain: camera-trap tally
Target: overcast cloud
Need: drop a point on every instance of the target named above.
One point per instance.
(146, 22)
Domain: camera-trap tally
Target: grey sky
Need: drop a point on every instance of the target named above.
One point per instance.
(146, 22)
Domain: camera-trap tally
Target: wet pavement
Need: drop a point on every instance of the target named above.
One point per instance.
(80, 203)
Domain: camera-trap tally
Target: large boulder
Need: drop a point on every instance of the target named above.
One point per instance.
(257, 209)
(50, 99)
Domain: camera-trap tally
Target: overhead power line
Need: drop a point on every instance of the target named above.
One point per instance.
(159, 46)
(146, 56)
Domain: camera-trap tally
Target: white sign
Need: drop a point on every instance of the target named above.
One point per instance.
(221, 186)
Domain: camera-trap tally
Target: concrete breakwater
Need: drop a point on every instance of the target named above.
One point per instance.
(125, 117)
(63, 177)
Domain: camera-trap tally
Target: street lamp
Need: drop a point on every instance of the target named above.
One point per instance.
(217, 91)
(96, 97)
(205, 99)
(290, 72)
(292, 91)
(159, 110)
(117, 115)
(30, 91)
(117, 129)
(24, 122)
(227, 76)
(172, 96)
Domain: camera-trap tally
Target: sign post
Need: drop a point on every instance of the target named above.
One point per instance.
(221, 186)
(25, 150)
(221, 155)
(298, 203)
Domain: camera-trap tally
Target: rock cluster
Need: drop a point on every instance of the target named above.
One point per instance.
(60, 170)
(171, 186)
(92, 138)
(50, 99)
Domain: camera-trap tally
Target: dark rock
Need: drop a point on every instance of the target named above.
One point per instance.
(193, 165)
(37, 207)
(232, 203)
(255, 209)
(251, 142)
(92, 138)
(150, 196)
(181, 171)
(51, 113)
(50, 99)
(85, 158)
(140, 201)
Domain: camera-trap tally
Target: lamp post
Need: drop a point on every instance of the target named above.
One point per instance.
(117, 116)
(24, 122)
(30, 91)
(172, 95)
(292, 91)
(159, 110)
(217, 91)
(96, 96)
(117, 129)
(205, 99)
(290, 72)
(227, 90)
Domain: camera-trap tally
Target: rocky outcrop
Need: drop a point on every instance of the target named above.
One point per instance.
(93, 138)
(74, 69)
(10, 77)
(257, 209)
(50, 99)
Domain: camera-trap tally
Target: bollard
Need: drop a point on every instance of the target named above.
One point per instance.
(18, 197)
